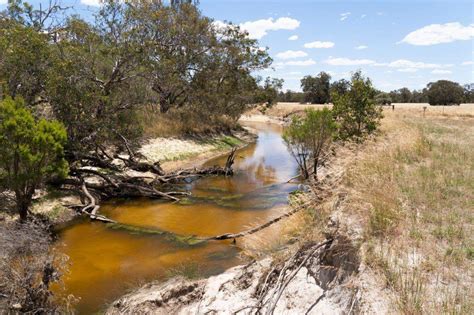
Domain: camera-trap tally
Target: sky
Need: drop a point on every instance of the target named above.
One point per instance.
(396, 43)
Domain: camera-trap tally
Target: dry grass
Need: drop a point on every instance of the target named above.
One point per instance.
(177, 124)
(413, 190)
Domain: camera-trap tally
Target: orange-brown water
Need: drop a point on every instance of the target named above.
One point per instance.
(107, 262)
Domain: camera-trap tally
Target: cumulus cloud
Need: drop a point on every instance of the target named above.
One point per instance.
(407, 70)
(348, 62)
(344, 16)
(291, 54)
(439, 34)
(259, 28)
(95, 3)
(406, 64)
(360, 47)
(467, 63)
(307, 62)
(319, 44)
(439, 71)
(293, 37)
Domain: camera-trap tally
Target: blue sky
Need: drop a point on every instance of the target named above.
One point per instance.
(396, 43)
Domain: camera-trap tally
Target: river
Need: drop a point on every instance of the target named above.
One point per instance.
(105, 263)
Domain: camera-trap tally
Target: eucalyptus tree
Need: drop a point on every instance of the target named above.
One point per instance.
(317, 88)
(95, 85)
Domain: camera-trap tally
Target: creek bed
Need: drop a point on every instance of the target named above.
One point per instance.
(107, 262)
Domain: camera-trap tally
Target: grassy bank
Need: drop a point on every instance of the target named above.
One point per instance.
(414, 192)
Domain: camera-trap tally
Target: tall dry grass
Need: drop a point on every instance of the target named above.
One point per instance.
(414, 192)
(181, 123)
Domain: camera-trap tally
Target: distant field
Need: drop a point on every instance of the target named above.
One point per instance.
(283, 109)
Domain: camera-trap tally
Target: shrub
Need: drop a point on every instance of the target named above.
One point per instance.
(30, 152)
(309, 139)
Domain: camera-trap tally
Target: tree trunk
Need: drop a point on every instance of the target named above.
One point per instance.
(164, 105)
(315, 168)
(22, 205)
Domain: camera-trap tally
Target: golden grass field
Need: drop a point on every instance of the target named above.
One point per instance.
(282, 109)
(410, 190)
(413, 191)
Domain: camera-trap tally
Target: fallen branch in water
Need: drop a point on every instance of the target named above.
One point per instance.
(255, 229)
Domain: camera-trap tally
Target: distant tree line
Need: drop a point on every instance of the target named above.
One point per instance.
(319, 89)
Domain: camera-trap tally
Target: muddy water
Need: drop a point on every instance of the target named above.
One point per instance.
(107, 262)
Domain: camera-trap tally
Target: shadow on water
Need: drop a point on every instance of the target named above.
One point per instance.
(155, 237)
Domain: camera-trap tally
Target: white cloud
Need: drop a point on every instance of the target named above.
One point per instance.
(291, 54)
(217, 24)
(259, 28)
(467, 63)
(344, 16)
(360, 47)
(307, 62)
(319, 44)
(95, 3)
(348, 62)
(439, 71)
(293, 37)
(295, 72)
(439, 33)
(403, 63)
(363, 16)
(407, 70)
(3, 1)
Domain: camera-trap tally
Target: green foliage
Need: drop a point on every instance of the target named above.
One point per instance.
(309, 139)
(317, 89)
(383, 99)
(355, 111)
(24, 61)
(444, 92)
(268, 93)
(30, 151)
(291, 96)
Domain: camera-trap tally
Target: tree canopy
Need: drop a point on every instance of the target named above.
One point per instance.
(444, 92)
(317, 88)
(97, 75)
